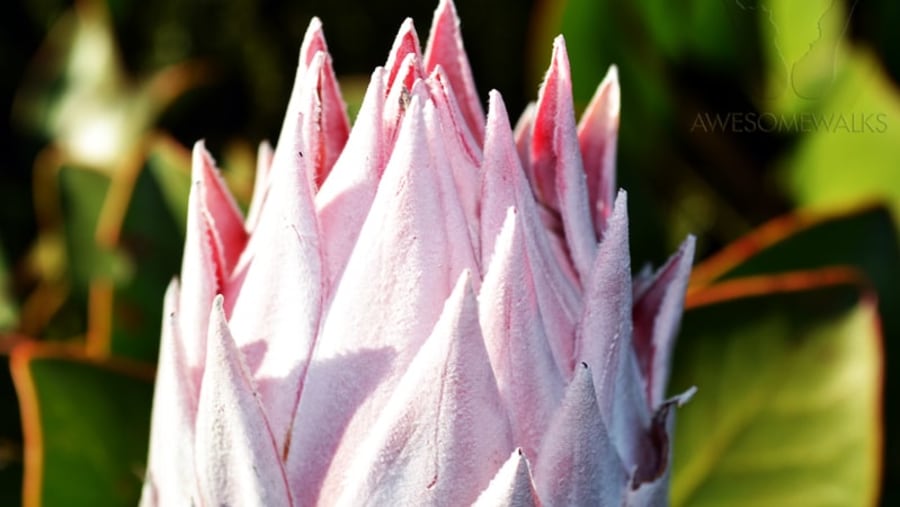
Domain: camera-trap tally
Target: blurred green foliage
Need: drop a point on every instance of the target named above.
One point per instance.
(103, 96)
(779, 375)
(90, 428)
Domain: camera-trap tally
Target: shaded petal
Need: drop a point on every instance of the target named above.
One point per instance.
(346, 196)
(560, 182)
(405, 43)
(333, 122)
(399, 96)
(650, 483)
(500, 181)
(443, 434)
(215, 238)
(598, 132)
(522, 134)
(411, 249)
(237, 461)
(460, 150)
(322, 124)
(512, 486)
(277, 295)
(170, 477)
(260, 183)
(313, 42)
(445, 48)
(504, 186)
(446, 99)
(316, 113)
(605, 340)
(530, 382)
(578, 464)
(656, 315)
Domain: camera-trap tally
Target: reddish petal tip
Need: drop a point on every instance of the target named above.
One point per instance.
(313, 42)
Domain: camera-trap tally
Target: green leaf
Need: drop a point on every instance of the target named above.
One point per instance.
(851, 154)
(83, 193)
(866, 239)
(847, 149)
(86, 428)
(787, 410)
(170, 165)
(151, 239)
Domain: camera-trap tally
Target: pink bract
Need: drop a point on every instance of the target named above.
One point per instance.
(428, 308)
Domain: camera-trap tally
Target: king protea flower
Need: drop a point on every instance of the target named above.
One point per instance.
(430, 308)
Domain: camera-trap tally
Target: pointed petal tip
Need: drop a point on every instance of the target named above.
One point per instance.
(559, 43)
(497, 117)
(313, 42)
(559, 64)
(681, 399)
(218, 306)
(610, 83)
(443, 5)
(612, 74)
(200, 155)
(689, 244)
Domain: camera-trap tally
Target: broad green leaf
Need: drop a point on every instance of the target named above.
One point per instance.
(86, 428)
(864, 238)
(787, 410)
(852, 154)
(846, 151)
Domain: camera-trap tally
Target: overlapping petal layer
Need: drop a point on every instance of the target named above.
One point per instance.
(426, 309)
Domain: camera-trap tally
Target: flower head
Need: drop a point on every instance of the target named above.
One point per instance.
(430, 308)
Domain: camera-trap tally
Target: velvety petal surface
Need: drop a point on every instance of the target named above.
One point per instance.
(214, 239)
(461, 150)
(260, 183)
(605, 340)
(658, 305)
(237, 460)
(598, 132)
(411, 249)
(445, 48)
(512, 486)
(504, 186)
(406, 43)
(578, 463)
(316, 113)
(277, 294)
(343, 202)
(530, 382)
(170, 476)
(560, 182)
(444, 426)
